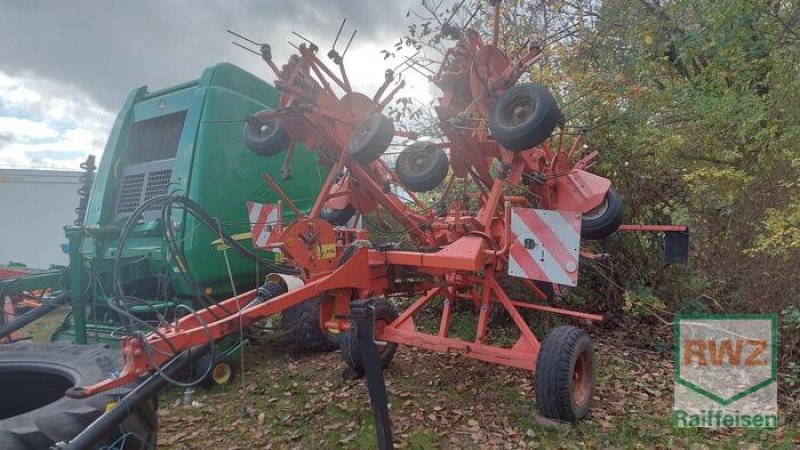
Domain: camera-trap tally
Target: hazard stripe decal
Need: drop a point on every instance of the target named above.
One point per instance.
(263, 217)
(545, 246)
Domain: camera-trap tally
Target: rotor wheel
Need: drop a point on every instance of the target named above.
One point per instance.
(338, 217)
(421, 167)
(565, 374)
(524, 117)
(371, 138)
(350, 346)
(603, 220)
(265, 137)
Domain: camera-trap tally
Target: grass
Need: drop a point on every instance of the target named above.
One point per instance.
(42, 329)
(440, 401)
(290, 400)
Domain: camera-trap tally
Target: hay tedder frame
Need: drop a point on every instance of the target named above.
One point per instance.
(498, 136)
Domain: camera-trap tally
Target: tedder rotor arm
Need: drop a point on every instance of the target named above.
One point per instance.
(142, 355)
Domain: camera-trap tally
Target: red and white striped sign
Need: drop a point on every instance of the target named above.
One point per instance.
(263, 218)
(546, 245)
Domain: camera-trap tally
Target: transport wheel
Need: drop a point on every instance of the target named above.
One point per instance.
(223, 370)
(422, 168)
(565, 374)
(371, 138)
(524, 117)
(35, 414)
(605, 219)
(264, 137)
(351, 351)
(302, 325)
(337, 216)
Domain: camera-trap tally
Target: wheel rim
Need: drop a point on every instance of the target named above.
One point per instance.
(519, 109)
(419, 161)
(221, 373)
(362, 131)
(598, 211)
(264, 129)
(582, 379)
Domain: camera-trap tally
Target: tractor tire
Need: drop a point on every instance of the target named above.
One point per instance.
(351, 349)
(565, 375)
(223, 370)
(265, 137)
(524, 117)
(338, 217)
(301, 324)
(35, 414)
(604, 220)
(371, 138)
(422, 168)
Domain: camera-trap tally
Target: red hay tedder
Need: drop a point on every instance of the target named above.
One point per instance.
(498, 138)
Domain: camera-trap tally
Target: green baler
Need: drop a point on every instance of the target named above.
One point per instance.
(185, 140)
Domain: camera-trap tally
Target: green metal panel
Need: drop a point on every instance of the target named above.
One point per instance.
(212, 166)
(106, 178)
(225, 174)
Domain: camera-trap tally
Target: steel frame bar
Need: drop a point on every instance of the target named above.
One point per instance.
(654, 228)
(563, 312)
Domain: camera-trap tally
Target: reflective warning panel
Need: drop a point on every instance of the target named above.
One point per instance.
(546, 245)
(263, 218)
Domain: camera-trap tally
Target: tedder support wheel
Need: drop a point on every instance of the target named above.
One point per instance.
(302, 325)
(422, 167)
(371, 138)
(35, 414)
(524, 117)
(223, 370)
(351, 351)
(565, 374)
(604, 220)
(337, 216)
(264, 137)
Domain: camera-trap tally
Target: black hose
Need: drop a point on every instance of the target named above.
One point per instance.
(209, 221)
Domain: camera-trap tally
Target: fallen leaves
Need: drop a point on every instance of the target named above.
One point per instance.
(437, 400)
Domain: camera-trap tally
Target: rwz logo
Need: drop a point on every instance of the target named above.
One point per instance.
(704, 352)
(725, 371)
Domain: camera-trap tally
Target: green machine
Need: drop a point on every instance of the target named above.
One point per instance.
(185, 140)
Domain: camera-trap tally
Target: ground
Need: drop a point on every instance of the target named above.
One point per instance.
(292, 400)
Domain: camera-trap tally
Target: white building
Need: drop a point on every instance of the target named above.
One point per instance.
(36, 205)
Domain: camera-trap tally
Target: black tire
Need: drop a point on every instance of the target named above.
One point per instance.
(422, 168)
(265, 137)
(349, 345)
(371, 138)
(604, 220)
(524, 117)
(301, 324)
(221, 363)
(337, 216)
(565, 351)
(34, 413)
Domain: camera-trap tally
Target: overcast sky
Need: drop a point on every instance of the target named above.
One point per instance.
(67, 66)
